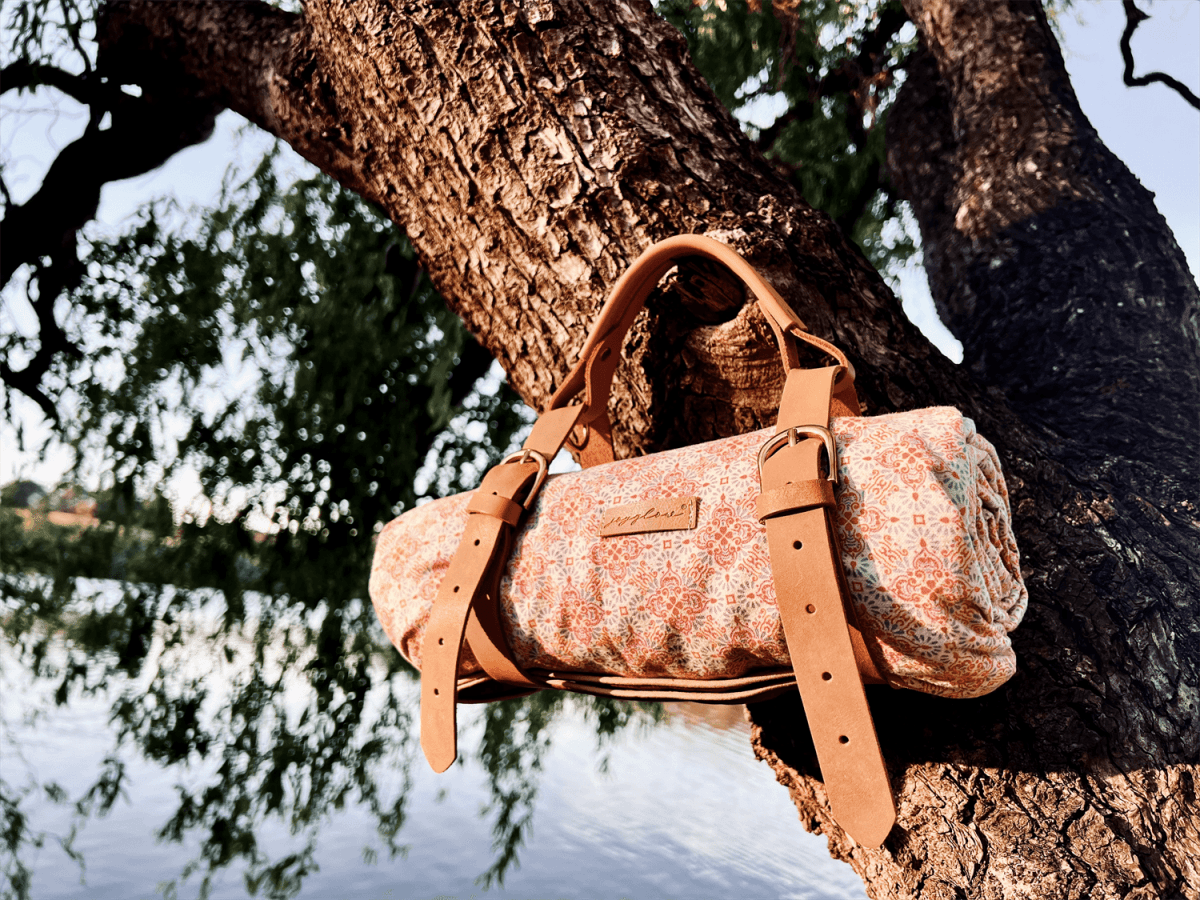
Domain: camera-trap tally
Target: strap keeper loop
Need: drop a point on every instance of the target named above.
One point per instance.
(794, 497)
(497, 507)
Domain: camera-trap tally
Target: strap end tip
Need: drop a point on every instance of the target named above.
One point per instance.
(870, 832)
(439, 758)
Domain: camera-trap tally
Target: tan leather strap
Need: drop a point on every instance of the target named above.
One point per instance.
(598, 359)
(465, 605)
(595, 448)
(809, 587)
(496, 506)
(444, 637)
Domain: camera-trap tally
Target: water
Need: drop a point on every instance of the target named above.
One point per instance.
(660, 802)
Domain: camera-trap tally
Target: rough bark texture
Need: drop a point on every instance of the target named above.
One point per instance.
(532, 151)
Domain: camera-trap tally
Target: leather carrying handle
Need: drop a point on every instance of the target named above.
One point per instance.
(598, 359)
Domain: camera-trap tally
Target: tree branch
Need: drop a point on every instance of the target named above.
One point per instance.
(74, 26)
(23, 74)
(1133, 18)
(29, 383)
(857, 75)
(248, 57)
(854, 76)
(52, 280)
(176, 110)
(987, 197)
(44, 230)
(144, 135)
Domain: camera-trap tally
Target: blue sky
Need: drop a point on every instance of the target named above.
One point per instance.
(1151, 128)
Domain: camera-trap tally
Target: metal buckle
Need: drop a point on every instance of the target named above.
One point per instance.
(793, 437)
(543, 466)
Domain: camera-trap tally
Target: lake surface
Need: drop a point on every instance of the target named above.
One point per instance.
(590, 800)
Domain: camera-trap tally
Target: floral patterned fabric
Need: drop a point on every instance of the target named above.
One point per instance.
(922, 520)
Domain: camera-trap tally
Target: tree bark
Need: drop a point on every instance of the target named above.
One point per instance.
(532, 151)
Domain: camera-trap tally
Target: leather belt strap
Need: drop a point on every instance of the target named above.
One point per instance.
(444, 638)
(806, 568)
(465, 607)
(496, 506)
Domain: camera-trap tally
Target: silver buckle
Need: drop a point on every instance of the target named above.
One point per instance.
(793, 437)
(524, 456)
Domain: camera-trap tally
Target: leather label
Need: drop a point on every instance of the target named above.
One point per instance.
(674, 514)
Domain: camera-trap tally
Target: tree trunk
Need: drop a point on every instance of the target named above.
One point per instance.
(532, 151)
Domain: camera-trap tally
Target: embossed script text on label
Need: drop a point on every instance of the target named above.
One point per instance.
(675, 514)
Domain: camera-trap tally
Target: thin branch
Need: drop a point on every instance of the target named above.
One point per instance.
(62, 274)
(144, 134)
(854, 75)
(230, 51)
(187, 77)
(24, 74)
(142, 137)
(51, 341)
(252, 58)
(892, 18)
(1133, 18)
(29, 384)
(860, 74)
(73, 32)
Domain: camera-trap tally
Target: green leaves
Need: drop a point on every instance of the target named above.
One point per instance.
(287, 349)
(814, 83)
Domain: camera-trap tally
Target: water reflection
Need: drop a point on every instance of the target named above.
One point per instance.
(272, 715)
(167, 746)
(268, 715)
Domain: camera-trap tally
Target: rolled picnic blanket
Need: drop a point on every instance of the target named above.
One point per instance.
(923, 525)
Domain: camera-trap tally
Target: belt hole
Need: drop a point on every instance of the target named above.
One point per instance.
(797, 545)
(441, 641)
(456, 589)
(825, 676)
(810, 608)
(605, 354)
(476, 542)
(436, 692)
(843, 739)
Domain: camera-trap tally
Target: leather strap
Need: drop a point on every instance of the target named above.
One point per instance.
(496, 506)
(444, 639)
(595, 448)
(598, 359)
(809, 587)
(465, 604)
